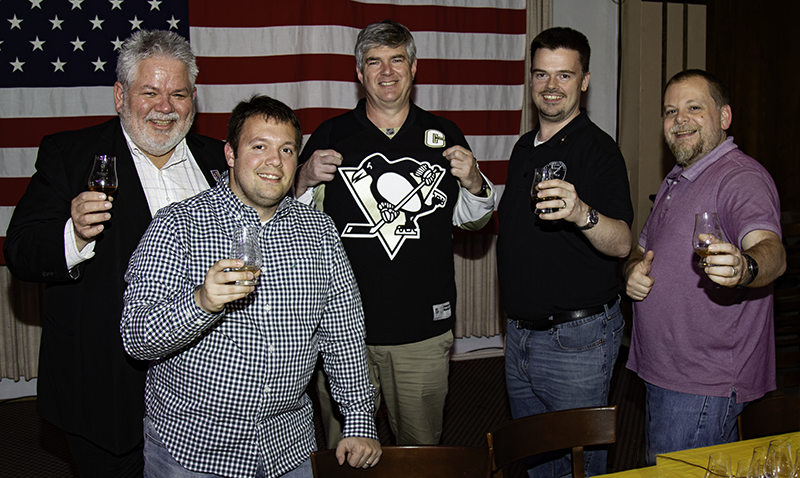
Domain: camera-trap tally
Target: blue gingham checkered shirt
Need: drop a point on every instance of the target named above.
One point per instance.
(225, 388)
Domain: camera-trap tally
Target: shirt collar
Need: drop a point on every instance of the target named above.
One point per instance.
(245, 212)
(564, 134)
(694, 171)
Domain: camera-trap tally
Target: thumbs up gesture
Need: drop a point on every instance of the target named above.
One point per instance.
(637, 272)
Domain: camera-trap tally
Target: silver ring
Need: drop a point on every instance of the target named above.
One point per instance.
(565, 203)
(734, 272)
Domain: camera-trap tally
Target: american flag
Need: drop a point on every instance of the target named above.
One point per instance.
(58, 60)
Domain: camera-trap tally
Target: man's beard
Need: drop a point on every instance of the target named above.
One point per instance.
(686, 155)
(554, 116)
(154, 143)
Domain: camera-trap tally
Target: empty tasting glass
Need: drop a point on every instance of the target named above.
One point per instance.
(719, 465)
(757, 462)
(779, 460)
(742, 468)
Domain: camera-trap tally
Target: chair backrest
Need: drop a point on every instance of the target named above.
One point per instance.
(411, 462)
(565, 429)
(770, 416)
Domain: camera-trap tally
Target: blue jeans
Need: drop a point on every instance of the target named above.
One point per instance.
(679, 421)
(159, 463)
(568, 366)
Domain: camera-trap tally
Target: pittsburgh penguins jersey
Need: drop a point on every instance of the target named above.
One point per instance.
(392, 201)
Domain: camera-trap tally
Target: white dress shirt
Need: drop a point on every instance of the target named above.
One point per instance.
(178, 179)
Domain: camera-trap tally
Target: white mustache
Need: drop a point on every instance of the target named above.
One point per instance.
(163, 116)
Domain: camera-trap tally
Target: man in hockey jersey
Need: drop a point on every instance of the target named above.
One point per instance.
(395, 178)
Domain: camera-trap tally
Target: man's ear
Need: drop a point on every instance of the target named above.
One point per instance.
(230, 157)
(119, 96)
(359, 75)
(725, 117)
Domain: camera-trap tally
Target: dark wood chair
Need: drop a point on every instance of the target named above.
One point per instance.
(770, 416)
(561, 430)
(411, 462)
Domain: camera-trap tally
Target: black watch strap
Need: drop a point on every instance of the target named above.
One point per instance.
(752, 270)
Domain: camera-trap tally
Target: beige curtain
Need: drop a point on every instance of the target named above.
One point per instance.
(20, 318)
(540, 17)
(478, 311)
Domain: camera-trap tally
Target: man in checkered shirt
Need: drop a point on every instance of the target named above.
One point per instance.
(225, 393)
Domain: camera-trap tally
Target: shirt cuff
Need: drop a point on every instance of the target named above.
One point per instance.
(307, 197)
(359, 425)
(71, 252)
(471, 208)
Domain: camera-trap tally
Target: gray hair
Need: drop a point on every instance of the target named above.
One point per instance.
(155, 43)
(385, 33)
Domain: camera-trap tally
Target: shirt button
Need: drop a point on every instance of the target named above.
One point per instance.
(271, 349)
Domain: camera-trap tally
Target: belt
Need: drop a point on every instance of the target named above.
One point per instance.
(564, 317)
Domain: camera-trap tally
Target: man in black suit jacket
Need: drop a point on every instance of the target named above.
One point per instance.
(87, 385)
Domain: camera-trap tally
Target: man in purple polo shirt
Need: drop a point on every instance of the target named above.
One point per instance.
(703, 337)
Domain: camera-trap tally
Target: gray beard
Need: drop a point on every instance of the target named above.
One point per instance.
(147, 143)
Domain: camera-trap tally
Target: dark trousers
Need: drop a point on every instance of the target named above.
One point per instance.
(96, 462)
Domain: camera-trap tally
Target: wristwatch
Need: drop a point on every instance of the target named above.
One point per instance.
(484, 188)
(591, 219)
(752, 269)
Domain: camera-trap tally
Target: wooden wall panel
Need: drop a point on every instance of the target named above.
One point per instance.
(658, 40)
(754, 47)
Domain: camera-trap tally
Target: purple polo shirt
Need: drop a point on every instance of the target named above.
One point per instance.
(691, 335)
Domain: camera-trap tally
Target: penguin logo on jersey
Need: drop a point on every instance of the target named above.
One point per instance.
(393, 195)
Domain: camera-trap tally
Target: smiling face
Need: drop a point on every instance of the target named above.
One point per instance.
(693, 123)
(557, 83)
(157, 108)
(388, 77)
(262, 170)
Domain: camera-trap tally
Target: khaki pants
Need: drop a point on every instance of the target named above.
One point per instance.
(413, 380)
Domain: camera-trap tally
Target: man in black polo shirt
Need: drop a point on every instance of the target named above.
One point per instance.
(557, 270)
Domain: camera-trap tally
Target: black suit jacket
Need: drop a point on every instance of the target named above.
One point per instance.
(87, 384)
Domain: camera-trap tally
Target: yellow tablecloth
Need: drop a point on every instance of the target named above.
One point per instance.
(692, 463)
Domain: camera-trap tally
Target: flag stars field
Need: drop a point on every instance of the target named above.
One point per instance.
(58, 64)
(17, 65)
(97, 23)
(77, 44)
(15, 22)
(56, 23)
(37, 44)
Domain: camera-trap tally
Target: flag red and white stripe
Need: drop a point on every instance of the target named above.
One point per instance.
(470, 69)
